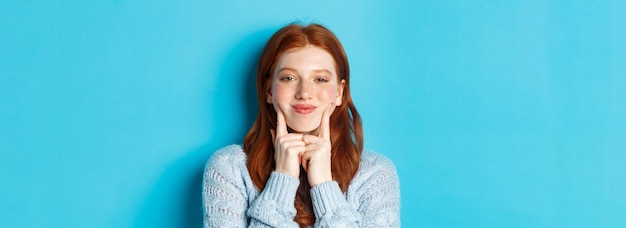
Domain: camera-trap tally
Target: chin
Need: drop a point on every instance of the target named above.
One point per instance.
(303, 129)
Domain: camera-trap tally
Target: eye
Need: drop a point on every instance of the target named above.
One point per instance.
(287, 78)
(321, 79)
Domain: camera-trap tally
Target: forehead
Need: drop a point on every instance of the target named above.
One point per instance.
(308, 58)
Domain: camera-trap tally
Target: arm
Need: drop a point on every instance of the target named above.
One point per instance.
(379, 202)
(331, 208)
(274, 207)
(226, 202)
(223, 193)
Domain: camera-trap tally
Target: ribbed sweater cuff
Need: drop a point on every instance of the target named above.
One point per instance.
(281, 188)
(326, 197)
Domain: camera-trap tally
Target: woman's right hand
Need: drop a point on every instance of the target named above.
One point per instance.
(287, 147)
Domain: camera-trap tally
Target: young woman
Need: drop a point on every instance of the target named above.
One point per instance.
(302, 163)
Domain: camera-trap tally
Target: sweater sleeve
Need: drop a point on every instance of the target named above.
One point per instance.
(223, 192)
(380, 202)
(275, 205)
(331, 207)
(225, 199)
(378, 206)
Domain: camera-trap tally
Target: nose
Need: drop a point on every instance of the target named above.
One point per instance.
(305, 90)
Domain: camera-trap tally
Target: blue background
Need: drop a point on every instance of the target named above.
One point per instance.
(496, 113)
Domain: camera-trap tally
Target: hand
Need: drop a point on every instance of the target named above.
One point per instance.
(316, 158)
(287, 147)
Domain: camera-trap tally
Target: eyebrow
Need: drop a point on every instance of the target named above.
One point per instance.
(323, 71)
(294, 70)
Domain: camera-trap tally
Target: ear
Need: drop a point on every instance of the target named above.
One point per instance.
(339, 97)
(269, 97)
(268, 92)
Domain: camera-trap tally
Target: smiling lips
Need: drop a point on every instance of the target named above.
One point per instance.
(303, 108)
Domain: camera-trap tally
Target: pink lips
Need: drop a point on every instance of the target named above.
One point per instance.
(303, 108)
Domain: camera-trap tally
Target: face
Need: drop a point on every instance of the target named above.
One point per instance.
(304, 84)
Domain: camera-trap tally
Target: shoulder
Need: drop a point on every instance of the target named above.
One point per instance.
(227, 156)
(373, 167)
(371, 160)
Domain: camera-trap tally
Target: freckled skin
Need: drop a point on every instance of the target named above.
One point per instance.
(305, 91)
(305, 76)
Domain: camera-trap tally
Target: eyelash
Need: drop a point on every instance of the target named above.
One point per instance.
(321, 80)
(287, 78)
(291, 78)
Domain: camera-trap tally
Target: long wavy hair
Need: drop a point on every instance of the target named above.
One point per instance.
(345, 122)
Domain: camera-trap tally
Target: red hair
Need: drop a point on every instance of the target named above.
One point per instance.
(345, 122)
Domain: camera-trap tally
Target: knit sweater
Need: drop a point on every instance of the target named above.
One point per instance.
(230, 198)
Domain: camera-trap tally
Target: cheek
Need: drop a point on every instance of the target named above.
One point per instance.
(279, 93)
(328, 94)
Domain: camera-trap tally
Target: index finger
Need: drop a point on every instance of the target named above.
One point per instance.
(325, 124)
(281, 126)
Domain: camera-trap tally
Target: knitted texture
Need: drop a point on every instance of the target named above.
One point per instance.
(230, 198)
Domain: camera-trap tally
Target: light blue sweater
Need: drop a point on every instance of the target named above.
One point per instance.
(230, 198)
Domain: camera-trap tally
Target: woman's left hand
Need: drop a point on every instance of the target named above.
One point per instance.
(316, 158)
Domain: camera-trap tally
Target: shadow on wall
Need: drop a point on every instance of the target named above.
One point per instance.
(176, 198)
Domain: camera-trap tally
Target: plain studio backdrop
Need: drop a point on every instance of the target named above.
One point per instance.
(495, 113)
